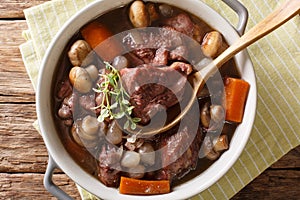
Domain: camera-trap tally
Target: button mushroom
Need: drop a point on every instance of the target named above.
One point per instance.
(80, 79)
(208, 149)
(220, 143)
(138, 14)
(92, 71)
(205, 115)
(81, 137)
(212, 116)
(78, 52)
(212, 44)
(75, 136)
(165, 10)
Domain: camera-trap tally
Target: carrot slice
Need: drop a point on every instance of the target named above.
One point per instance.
(236, 92)
(99, 37)
(143, 187)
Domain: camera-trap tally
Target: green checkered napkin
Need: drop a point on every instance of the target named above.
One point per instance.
(276, 59)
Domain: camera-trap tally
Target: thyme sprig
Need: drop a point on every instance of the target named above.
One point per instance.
(114, 92)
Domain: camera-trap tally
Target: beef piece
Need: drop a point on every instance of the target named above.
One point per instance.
(182, 67)
(109, 176)
(180, 53)
(65, 89)
(155, 45)
(153, 38)
(67, 108)
(150, 86)
(133, 59)
(109, 155)
(87, 101)
(161, 56)
(109, 170)
(176, 156)
(182, 23)
(146, 54)
(65, 112)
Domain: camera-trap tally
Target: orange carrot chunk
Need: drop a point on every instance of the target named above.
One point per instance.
(98, 36)
(236, 92)
(143, 187)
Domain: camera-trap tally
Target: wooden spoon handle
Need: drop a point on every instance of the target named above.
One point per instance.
(281, 15)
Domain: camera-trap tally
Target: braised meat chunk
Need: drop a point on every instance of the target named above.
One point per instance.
(109, 168)
(179, 153)
(181, 23)
(152, 87)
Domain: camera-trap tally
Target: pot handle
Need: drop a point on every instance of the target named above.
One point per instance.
(48, 183)
(242, 13)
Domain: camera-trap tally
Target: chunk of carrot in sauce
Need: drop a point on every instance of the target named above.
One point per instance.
(236, 92)
(143, 187)
(99, 37)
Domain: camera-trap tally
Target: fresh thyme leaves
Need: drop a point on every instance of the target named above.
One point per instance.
(113, 91)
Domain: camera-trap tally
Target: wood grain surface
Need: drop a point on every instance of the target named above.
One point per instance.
(23, 156)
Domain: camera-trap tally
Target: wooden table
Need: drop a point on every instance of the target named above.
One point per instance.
(23, 156)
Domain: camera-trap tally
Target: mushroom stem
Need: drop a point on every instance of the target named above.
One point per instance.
(220, 143)
(208, 149)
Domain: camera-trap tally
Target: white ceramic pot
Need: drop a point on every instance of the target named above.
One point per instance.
(74, 171)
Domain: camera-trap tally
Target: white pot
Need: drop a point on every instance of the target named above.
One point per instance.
(85, 180)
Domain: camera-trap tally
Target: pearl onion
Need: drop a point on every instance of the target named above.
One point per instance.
(114, 134)
(130, 159)
(147, 154)
(90, 125)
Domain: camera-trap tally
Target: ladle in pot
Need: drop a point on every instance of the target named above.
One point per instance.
(278, 17)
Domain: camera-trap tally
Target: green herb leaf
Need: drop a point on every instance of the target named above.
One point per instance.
(113, 91)
(119, 115)
(136, 119)
(133, 125)
(125, 101)
(126, 125)
(114, 106)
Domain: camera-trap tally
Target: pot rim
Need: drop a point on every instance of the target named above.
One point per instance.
(72, 169)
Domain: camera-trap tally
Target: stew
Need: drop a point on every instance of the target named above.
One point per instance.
(130, 67)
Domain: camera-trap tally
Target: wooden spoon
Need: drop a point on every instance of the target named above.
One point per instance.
(281, 15)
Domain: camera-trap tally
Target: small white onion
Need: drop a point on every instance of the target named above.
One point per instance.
(114, 134)
(217, 113)
(130, 159)
(147, 154)
(120, 62)
(90, 125)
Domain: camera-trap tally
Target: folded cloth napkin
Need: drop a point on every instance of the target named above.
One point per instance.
(276, 59)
